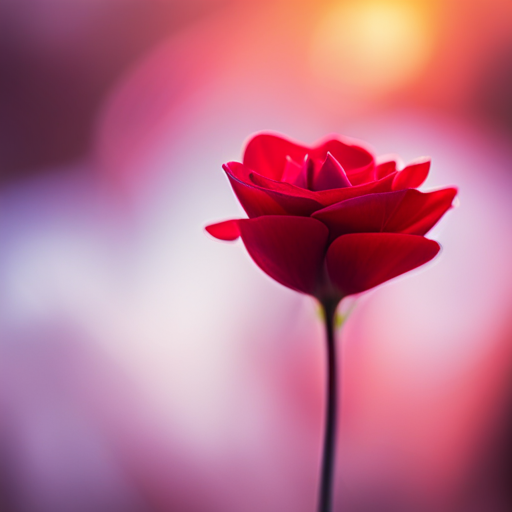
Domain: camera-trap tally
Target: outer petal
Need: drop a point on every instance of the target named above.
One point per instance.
(291, 199)
(253, 200)
(289, 249)
(404, 211)
(257, 200)
(419, 212)
(227, 230)
(358, 262)
(365, 214)
(412, 176)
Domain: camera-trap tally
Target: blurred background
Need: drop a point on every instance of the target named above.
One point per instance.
(145, 366)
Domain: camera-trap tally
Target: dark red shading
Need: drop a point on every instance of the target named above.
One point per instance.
(331, 175)
(289, 249)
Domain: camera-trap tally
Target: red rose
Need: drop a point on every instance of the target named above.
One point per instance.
(329, 221)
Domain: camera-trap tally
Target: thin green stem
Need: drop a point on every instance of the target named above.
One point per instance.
(327, 472)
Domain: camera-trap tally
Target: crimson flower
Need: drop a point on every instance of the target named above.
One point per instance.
(328, 220)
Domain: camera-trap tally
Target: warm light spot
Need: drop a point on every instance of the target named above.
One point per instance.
(371, 48)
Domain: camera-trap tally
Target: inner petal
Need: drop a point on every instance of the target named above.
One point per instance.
(293, 173)
(300, 175)
(331, 175)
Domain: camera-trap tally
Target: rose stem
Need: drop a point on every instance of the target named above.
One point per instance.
(326, 481)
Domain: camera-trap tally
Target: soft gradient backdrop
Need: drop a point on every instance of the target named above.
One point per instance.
(145, 366)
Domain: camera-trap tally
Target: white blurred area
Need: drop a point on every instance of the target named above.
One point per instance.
(146, 366)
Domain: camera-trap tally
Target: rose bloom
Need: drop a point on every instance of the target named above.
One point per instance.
(329, 221)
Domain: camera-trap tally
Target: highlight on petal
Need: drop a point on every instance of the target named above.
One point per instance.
(404, 211)
(357, 262)
(413, 175)
(330, 175)
(289, 249)
(227, 230)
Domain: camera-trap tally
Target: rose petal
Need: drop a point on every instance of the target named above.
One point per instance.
(285, 198)
(281, 186)
(348, 153)
(278, 199)
(418, 212)
(385, 169)
(412, 176)
(266, 154)
(329, 197)
(254, 200)
(331, 175)
(364, 214)
(293, 173)
(227, 230)
(362, 176)
(358, 262)
(291, 199)
(404, 211)
(289, 249)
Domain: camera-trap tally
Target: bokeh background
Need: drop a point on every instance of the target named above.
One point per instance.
(145, 366)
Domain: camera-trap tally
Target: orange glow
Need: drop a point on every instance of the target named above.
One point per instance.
(372, 47)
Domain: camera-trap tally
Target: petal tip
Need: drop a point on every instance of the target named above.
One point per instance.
(227, 231)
